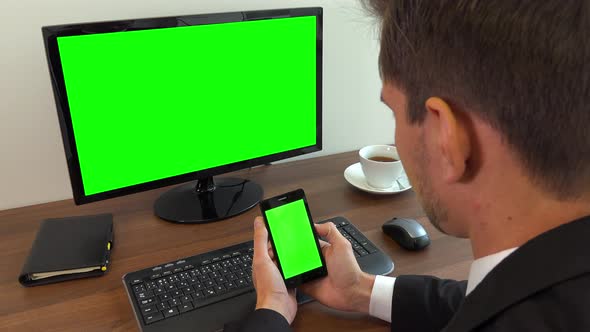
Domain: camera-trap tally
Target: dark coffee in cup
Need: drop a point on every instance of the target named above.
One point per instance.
(382, 159)
(381, 165)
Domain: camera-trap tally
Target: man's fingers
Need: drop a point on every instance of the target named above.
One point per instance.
(329, 232)
(260, 240)
(324, 244)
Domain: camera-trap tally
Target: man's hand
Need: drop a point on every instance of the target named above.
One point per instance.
(346, 287)
(270, 287)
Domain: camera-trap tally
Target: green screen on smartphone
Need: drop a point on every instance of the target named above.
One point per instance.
(293, 238)
(152, 104)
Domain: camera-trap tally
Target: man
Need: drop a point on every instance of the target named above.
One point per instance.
(491, 101)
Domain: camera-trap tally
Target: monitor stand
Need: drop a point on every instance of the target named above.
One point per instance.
(206, 200)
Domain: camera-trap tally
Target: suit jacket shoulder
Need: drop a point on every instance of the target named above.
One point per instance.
(542, 286)
(545, 283)
(562, 307)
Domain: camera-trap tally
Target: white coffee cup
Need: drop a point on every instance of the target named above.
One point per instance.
(380, 174)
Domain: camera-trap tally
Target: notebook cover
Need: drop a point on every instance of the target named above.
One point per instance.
(69, 243)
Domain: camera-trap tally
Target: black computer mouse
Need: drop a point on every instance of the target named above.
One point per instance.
(408, 233)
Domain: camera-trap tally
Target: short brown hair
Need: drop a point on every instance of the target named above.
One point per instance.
(521, 65)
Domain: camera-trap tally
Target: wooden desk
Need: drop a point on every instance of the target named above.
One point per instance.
(142, 240)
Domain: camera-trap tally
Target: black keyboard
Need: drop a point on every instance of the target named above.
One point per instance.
(169, 291)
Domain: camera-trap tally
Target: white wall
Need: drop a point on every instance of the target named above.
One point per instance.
(32, 162)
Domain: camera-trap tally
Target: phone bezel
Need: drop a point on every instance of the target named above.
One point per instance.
(278, 201)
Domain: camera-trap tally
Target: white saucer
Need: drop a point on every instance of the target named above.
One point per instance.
(355, 176)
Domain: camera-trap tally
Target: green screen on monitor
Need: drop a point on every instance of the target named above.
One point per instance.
(153, 104)
(293, 238)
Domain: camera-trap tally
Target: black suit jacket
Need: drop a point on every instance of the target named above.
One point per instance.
(542, 286)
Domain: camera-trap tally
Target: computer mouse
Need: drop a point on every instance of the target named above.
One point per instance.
(408, 233)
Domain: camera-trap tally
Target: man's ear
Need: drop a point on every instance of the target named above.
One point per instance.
(451, 137)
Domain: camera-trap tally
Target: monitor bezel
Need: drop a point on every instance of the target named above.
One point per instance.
(50, 34)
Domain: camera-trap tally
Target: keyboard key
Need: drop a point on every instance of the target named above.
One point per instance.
(185, 307)
(147, 302)
(159, 291)
(174, 303)
(138, 289)
(220, 289)
(176, 293)
(144, 295)
(350, 230)
(362, 252)
(165, 297)
(162, 306)
(170, 312)
(152, 318)
(241, 282)
(209, 292)
(198, 296)
(370, 248)
(135, 282)
(188, 290)
(230, 285)
(186, 299)
(149, 310)
(155, 276)
(176, 270)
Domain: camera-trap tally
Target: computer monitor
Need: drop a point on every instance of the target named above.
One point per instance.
(146, 103)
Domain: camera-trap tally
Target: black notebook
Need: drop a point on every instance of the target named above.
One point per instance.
(69, 248)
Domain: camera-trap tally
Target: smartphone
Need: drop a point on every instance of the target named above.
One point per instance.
(293, 237)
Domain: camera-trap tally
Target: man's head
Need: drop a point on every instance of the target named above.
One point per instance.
(474, 69)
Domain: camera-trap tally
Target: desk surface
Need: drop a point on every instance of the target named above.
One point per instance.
(143, 240)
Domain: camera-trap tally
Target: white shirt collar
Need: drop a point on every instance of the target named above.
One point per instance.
(482, 266)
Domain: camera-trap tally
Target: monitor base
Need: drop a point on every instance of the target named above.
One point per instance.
(206, 200)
